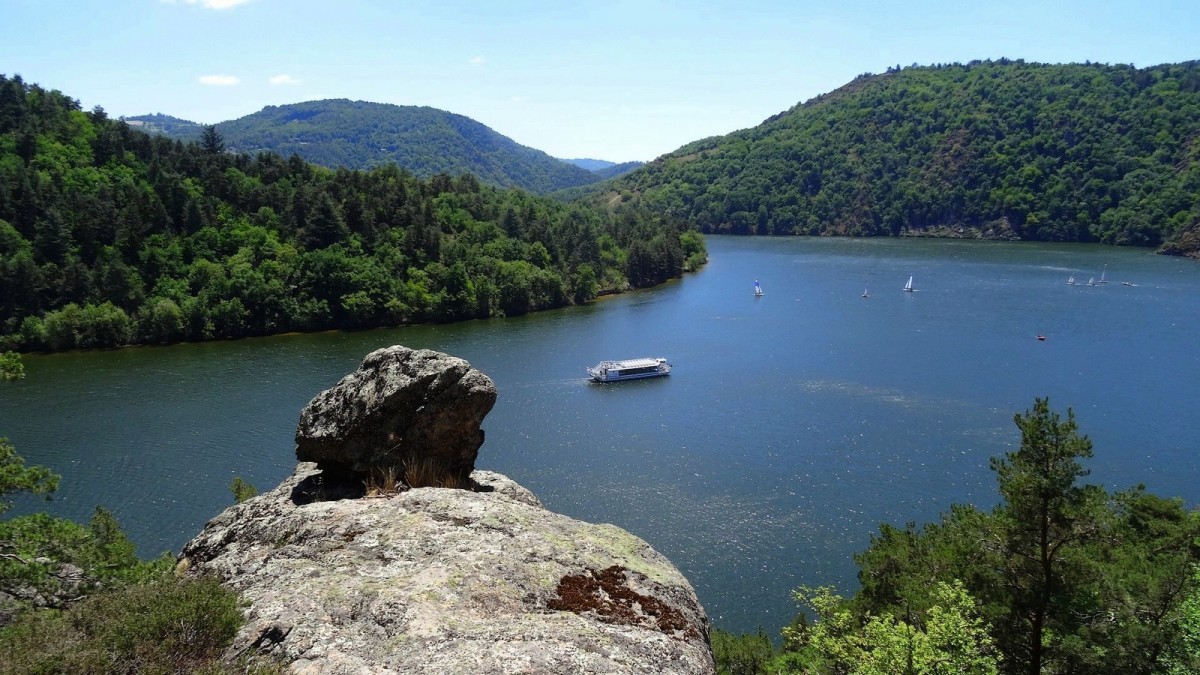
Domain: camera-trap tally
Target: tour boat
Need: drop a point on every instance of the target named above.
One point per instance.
(629, 369)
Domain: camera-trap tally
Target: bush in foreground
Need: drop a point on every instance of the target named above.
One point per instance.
(166, 626)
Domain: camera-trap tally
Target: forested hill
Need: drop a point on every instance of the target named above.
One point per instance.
(618, 169)
(110, 236)
(604, 168)
(995, 149)
(360, 135)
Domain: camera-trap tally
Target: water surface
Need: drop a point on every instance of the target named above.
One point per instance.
(792, 424)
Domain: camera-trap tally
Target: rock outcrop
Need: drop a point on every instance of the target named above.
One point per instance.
(402, 408)
(448, 581)
(433, 580)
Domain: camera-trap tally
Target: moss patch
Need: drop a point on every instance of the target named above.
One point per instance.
(606, 594)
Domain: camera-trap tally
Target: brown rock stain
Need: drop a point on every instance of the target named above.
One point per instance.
(607, 594)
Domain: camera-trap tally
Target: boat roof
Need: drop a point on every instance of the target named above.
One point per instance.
(630, 363)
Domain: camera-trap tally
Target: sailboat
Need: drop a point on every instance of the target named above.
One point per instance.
(865, 293)
(909, 287)
(1103, 271)
(757, 289)
(1092, 281)
(1071, 281)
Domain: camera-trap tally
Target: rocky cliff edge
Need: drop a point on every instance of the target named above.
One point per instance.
(437, 580)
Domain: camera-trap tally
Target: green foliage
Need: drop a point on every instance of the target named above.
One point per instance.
(38, 546)
(165, 626)
(1183, 657)
(242, 490)
(211, 140)
(948, 637)
(993, 149)
(1044, 518)
(745, 654)
(11, 367)
(111, 237)
(16, 477)
(1069, 577)
(77, 599)
(361, 135)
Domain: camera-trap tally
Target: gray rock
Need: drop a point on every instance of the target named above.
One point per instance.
(400, 408)
(448, 581)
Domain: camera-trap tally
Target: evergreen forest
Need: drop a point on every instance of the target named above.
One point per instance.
(110, 236)
(990, 149)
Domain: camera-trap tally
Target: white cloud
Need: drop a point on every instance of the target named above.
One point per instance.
(209, 4)
(284, 79)
(477, 61)
(219, 80)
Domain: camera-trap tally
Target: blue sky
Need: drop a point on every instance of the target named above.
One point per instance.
(610, 79)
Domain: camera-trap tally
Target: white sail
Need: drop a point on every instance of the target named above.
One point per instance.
(909, 287)
(757, 288)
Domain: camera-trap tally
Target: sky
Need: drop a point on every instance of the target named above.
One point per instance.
(618, 80)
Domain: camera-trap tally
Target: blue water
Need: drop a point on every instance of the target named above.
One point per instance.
(792, 424)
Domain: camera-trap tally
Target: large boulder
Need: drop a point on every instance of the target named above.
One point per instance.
(402, 408)
(447, 581)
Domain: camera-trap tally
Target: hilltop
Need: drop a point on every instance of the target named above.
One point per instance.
(361, 135)
(991, 149)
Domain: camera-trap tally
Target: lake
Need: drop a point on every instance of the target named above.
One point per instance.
(792, 424)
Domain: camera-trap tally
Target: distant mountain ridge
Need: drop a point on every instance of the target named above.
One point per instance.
(590, 164)
(362, 135)
(618, 169)
(604, 168)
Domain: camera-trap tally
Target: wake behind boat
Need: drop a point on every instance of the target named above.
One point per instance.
(629, 369)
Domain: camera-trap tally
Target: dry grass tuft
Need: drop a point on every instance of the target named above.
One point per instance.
(383, 482)
(428, 472)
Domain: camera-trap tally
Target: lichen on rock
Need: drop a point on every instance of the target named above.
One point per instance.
(430, 580)
(401, 411)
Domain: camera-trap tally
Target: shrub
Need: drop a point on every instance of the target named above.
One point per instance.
(167, 626)
(11, 367)
(242, 490)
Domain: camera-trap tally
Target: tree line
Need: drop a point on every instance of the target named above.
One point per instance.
(109, 236)
(990, 149)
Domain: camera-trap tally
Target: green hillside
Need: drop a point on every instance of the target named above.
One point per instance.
(590, 164)
(110, 236)
(617, 169)
(360, 135)
(1005, 149)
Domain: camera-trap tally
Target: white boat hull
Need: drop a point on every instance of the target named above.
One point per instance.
(633, 369)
